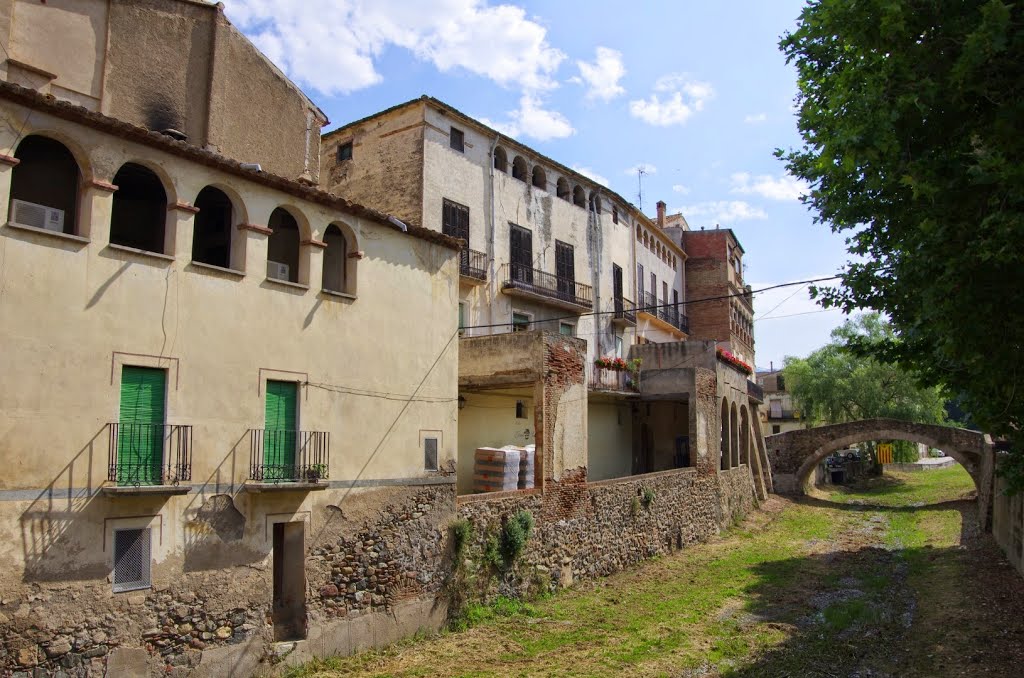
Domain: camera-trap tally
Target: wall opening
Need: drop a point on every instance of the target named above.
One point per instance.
(335, 260)
(500, 160)
(283, 246)
(289, 605)
(211, 237)
(45, 185)
(138, 215)
(519, 169)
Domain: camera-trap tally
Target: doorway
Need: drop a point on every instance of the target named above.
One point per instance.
(289, 606)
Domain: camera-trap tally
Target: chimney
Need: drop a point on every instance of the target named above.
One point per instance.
(661, 214)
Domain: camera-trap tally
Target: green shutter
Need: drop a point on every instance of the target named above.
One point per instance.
(279, 441)
(141, 426)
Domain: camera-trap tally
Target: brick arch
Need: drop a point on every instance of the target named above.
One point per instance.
(794, 454)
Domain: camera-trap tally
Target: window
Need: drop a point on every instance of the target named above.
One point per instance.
(139, 211)
(615, 214)
(463, 312)
(335, 260)
(455, 222)
(131, 560)
(579, 196)
(654, 287)
(45, 185)
(345, 151)
(521, 249)
(283, 246)
(457, 140)
(211, 236)
(520, 322)
(595, 202)
(780, 383)
(567, 329)
(776, 428)
(664, 292)
(562, 189)
(520, 409)
(619, 346)
(640, 284)
(519, 168)
(565, 269)
(500, 159)
(430, 454)
(540, 178)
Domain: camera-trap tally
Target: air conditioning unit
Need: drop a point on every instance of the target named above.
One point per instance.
(26, 213)
(278, 271)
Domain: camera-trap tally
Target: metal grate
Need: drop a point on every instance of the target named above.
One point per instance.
(430, 454)
(131, 560)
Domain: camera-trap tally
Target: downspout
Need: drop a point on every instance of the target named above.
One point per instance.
(491, 287)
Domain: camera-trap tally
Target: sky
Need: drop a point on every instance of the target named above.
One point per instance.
(695, 93)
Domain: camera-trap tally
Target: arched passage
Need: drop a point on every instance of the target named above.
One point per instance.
(45, 185)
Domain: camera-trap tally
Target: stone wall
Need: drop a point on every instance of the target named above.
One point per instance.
(588, 530)
(1008, 524)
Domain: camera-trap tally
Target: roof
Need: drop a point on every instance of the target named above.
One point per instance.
(130, 132)
(426, 99)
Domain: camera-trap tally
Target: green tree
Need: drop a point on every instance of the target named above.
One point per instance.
(838, 383)
(910, 113)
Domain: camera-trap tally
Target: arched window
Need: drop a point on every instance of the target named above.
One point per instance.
(519, 169)
(44, 186)
(335, 260)
(138, 217)
(540, 178)
(283, 246)
(211, 237)
(638, 236)
(500, 159)
(562, 189)
(595, 202)
(579, 196)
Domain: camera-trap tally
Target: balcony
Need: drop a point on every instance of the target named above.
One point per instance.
(755, 392)
(625, 312)
(779, 414)
(531, 283)
(621, 381)
(665, 312)
(148, 459)
(473, 265)
(288, 460)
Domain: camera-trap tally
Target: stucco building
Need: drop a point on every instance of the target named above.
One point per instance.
(203, 452)
(780, 412)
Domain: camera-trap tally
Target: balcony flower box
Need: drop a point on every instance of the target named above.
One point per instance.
(729, 359)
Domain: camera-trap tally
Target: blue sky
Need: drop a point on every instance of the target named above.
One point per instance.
(696, 92)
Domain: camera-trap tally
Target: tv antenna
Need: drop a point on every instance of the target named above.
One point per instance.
(641, 170)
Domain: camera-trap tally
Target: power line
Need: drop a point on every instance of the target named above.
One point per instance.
(684, 304)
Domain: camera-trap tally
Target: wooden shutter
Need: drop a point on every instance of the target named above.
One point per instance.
(565, 269)
(521, 247)
(280, 436)
(455, 222)
(141, 426)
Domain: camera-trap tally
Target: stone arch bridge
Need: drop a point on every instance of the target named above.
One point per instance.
(794, 454)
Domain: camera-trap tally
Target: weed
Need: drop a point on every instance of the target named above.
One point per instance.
(647, 498)
(634, 507)
(462, 534)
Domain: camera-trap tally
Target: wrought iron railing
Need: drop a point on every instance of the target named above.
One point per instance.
(604, 379)
(625, 310)
(149, 454)
(473, 264)
(279, 456)
(545, 284)
(666, 312)
(755, 391)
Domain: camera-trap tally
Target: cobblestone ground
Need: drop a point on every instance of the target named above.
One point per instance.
(887, 579)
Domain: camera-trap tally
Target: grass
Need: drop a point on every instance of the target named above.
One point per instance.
(795, 586)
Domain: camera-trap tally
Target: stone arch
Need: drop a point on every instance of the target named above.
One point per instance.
(48, 174)
(724, 454)
(500, 160)
(81, 155)
(734, 437)
(216, 239)
(519, 168)
(562, 189)
(540, 178)
(284, 247)
(138, 212)
(579, 196)
(340, 268)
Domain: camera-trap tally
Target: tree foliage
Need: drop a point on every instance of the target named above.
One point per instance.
(837, 383)
(911, 114)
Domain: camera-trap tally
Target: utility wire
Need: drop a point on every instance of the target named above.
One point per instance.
(656, 306)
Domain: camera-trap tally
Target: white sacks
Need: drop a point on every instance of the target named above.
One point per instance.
(526, 467)
(496, 470)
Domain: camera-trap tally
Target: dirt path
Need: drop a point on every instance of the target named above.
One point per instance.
(831, 586)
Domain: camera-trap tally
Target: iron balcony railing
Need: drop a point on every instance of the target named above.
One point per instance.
(755, 391)
(473, 264)
(667, 312)
(547, 285)
(149, 454)
(604, 379)
(279, 456)
(625, 310)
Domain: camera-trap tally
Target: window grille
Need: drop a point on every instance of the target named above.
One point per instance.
(131, 560)
(430, 454)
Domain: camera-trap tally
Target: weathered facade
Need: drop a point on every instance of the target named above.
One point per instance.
(780, 412)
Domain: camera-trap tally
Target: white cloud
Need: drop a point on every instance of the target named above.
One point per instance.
(754, 118)
(591, 174)
(676, 97)
(603, 75)
(332, 45)
(680, 188)
(721, 212)
(531, 119)
(647, 167)
(784, 187)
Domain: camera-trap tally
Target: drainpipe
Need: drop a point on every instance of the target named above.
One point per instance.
(489, 236)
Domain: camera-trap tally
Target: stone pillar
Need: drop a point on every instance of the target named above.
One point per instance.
(96, 204)
(311, 257)
(181, 221)
(255, 249)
